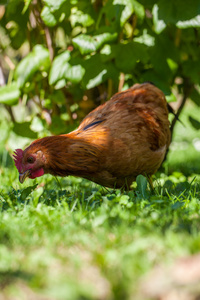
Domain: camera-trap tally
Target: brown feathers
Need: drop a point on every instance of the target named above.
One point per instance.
(125, 137)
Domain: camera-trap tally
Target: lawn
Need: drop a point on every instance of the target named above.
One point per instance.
(72, 239)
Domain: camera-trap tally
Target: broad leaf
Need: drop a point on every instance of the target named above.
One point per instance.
(195, 123)
(27, 191)
(139, 10)
(181, 13)
(55, 11)
(158, 79)
(159, 24)
(58, 67)
(83, 13)
(145, 39)
(48, 17)
(127, 55)
(97, 72)
(23, 129)
(195, 22)
(142, 185)
(36, 60)
(119, 11)
(171, 98)
(74, 73)
(195, 96)
(88, 44)
(191, 68)
(58, 126)
(9, 94)
(62, 68)
(55, 5)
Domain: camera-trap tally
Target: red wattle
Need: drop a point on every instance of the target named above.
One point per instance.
(36, 173)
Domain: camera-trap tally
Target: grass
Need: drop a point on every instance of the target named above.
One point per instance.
(72, 239)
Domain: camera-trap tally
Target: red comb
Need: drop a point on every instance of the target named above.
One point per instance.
(18, 155)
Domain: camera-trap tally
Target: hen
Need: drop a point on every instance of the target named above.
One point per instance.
(126, 136)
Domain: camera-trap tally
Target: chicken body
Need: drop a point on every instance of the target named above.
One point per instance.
(126, 136)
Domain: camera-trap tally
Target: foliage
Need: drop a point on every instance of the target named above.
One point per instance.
(66, 57)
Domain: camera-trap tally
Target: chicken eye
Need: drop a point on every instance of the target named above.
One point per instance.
(30, 160)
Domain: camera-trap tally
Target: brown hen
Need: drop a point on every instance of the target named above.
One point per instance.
(126, 136)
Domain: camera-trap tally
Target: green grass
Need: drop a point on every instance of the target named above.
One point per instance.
(72, 239)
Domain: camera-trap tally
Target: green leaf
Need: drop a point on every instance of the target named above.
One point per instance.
(80, 18)
(193, 69)
(9, 94)
(172, 65)
(55, 5)
(164, 56)
(158, 79)
(119, 11)
(58, 126)
(27, 191)
(37, 124)
(55, 11)
(194, 122)
(48, 17)
(195, 22)
(23, 129)
(26, 5)
(63, 69)
(88, 44)
(58, 97)
(127, 55)
(145, 39)
(181, 13)
(83, 13)
(142, 185)
(58, 67)
(97, 72)
(74, 73)
(124, 200)
(37, 60)
(128, 8)
(158, 23)
(139, 10)
(195, 96)
(171, 98)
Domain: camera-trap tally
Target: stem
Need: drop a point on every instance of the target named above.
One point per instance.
(134, 23)
(121, 81)
(49, 42)
(37, 7)
(187, 86)
(178, 37)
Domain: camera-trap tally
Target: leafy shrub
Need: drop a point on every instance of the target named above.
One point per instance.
(67, 57)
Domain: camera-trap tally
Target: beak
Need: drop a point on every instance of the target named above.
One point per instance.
(23, 176)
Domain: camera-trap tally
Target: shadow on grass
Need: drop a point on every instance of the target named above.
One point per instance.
(188, 167)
